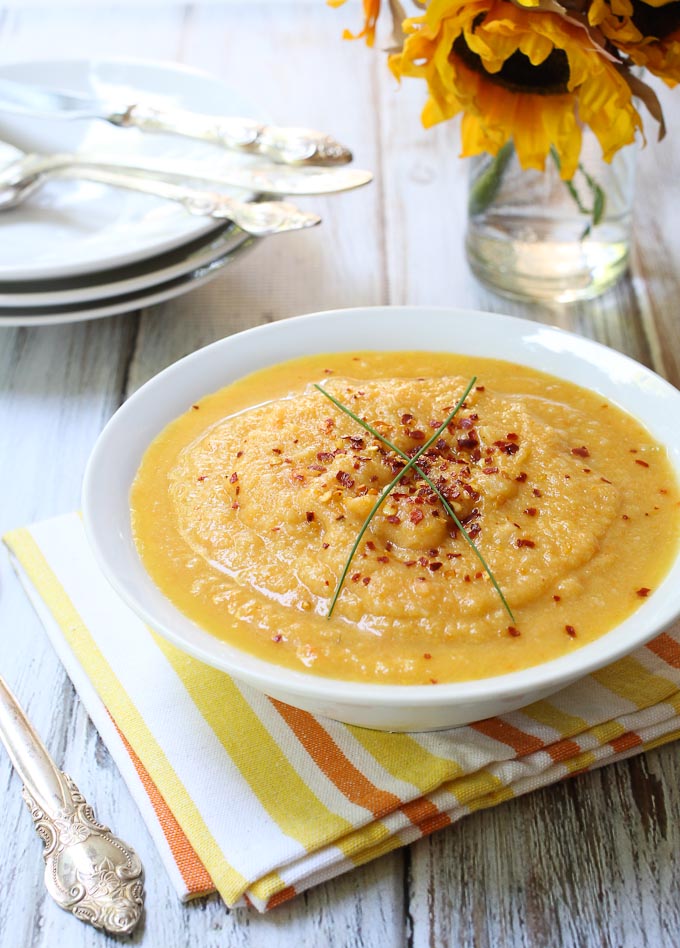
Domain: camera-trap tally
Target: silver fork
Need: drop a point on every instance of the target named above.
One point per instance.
(259, 218)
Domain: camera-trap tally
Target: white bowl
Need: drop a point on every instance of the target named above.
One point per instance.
(119, 449)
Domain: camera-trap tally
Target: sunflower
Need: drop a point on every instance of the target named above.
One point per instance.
(649, 33)
(518, 74)
(371, 14)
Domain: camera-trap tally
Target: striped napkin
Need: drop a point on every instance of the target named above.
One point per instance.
(253, 798)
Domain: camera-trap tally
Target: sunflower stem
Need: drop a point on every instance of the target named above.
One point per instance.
(486, 186)
(599, 198)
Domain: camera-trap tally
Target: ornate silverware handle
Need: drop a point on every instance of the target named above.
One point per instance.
(88, 871)
(291, 146)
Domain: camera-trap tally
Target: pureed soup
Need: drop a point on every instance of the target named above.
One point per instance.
(246, 508)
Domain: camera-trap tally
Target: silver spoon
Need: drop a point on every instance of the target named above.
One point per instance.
(88, 871)
(259, 218)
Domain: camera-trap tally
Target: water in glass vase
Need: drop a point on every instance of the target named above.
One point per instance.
(532, 235)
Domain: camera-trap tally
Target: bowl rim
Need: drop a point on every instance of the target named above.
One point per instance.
(660, 609)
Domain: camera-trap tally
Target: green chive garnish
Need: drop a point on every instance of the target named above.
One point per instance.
(411, 464)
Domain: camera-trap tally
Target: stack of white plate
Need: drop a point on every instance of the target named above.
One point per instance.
(79, 250)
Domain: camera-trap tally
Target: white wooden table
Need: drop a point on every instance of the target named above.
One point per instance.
(593, 861)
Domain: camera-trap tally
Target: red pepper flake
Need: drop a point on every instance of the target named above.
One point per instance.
(324, 456)
(557, 599)
(277, 451)
(202, 477)
(536, 492)
(466, 578)
(310, 516)
(479, 388)
(298, 477)
(406, 419)
(604, 480)
(581, 452)
(324, 546)
(511, 436)
(277, 638)
(479, 575)
(370, 544)
(427, 656)
(410, 562)
(663, 490)
(467, 443)
(643, 592)
(521, 477)
(392, 518)
(524, 542)
(489, 470)
(357, 443)
(416, 435)
(513, 631)
(641, 462)
(416, 515)
(435, 566)
(453, 556)
(625, 517)
(388, 545)
(383, 559)
(233, 479)
(356, 577)
(507, 447)
(366, 580)
(586, 470)
(235, 505)
(239, 454)
(531, 511)
(328, 371)
(433, 681)
(571, 631)
(344, 478)
(318, 467)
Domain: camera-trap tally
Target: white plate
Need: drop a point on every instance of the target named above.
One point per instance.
(70, 228)
(106, 284)
(156, 293)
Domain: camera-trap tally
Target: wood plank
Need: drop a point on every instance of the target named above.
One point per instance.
(590, 861)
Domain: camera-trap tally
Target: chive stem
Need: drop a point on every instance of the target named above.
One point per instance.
(421, 473)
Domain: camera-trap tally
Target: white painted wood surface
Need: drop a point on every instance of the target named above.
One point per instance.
(593, 861)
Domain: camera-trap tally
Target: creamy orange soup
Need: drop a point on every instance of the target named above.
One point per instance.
(245, 510)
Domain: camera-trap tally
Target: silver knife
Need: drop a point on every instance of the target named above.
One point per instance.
(296, 146)
(264, 179)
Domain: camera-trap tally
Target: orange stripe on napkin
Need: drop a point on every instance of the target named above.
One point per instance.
(667, 649)
(625, 742)
(500, 730)
(332, 761)
(348, 779)
(192, 870)
(282, 896)
(563, 750)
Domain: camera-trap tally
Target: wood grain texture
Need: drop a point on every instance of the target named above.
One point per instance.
(590, 862)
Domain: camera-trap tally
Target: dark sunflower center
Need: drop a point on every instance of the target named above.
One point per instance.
(517, 72)
(656, 21)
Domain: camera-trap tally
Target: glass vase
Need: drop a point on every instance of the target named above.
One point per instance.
(533, 236)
